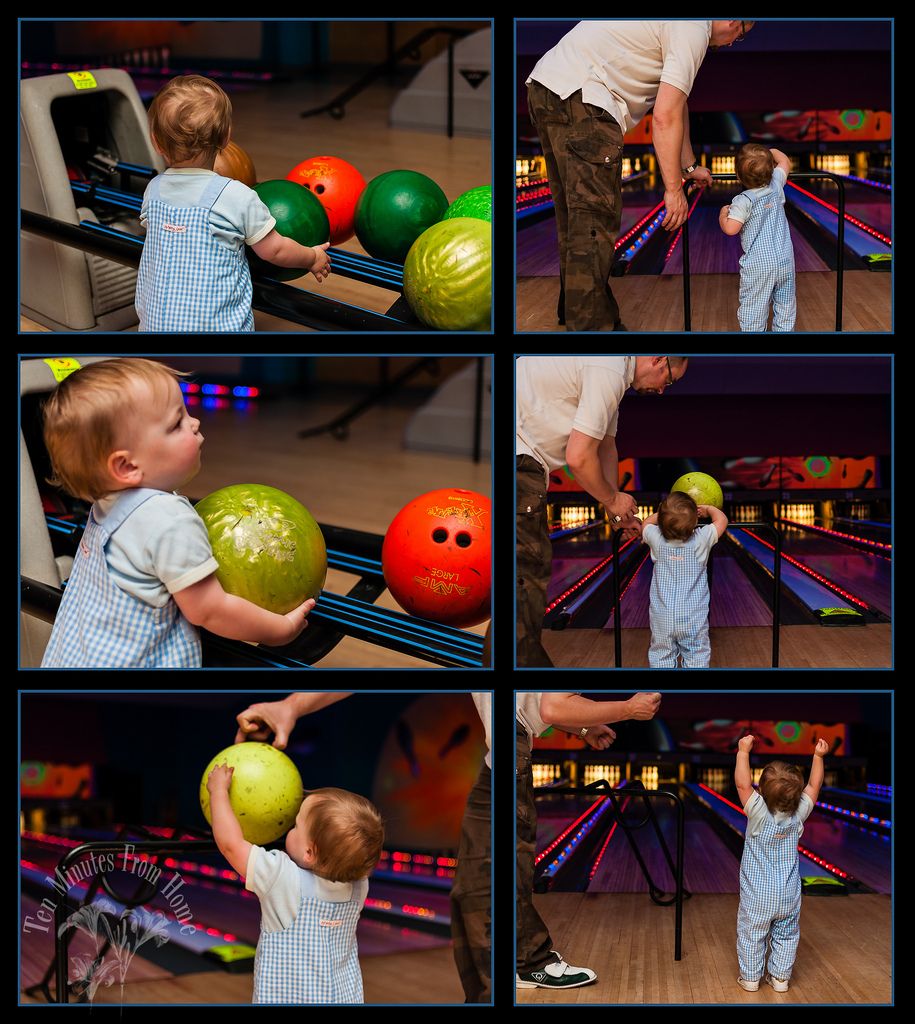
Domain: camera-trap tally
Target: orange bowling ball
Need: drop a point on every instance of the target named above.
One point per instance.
(234, 162)
(437, 557)
(338, 185)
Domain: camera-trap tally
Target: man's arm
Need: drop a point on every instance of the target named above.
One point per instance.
(609, 460)
(584, 456)
(668, 135)
(577, 712)
(687, 156)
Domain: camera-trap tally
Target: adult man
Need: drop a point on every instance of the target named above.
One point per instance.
(538, 965)
(596, 84)
(567, 411)
(471, 897)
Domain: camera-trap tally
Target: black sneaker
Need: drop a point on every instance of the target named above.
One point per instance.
(557, 975)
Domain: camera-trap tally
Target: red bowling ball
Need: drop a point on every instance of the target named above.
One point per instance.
(338, 185)
(437, 558)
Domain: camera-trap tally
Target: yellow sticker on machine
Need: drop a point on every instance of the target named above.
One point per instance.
(82, 79)
(62, 367)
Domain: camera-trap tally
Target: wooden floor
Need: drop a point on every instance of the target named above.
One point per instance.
(266, 123)
(426, 976)
(735, 647)
(655, 303)
(844, 954)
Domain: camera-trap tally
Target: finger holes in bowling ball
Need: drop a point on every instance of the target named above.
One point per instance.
(463, 540)
(319, 189)
(439, 536)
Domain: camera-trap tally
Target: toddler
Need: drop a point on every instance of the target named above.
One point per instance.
(143, 579)
(194, 274)
(770, 883)
(311, 895)
(767, 264)
(678, 604)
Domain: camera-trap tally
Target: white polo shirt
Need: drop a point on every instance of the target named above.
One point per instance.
(558, 394)
(619, 65)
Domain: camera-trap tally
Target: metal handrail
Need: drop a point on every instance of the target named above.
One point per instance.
(840, 244)
(676, 867)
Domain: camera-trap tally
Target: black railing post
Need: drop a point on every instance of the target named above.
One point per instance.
(617, 625)
(777, 599)
(687, 311)
(840, 264)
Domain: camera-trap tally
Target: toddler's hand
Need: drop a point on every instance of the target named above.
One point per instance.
(220, 778)
(703, 510)
(321, 266)
(746, 744)
(297, 619)
(822, 748)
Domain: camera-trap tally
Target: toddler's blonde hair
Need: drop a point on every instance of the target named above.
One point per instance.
(189, 116)
(346, 831)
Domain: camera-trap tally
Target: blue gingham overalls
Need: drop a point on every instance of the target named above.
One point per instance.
(767, 264)
(770, 900)
(98, 625)
(315, 959)
(678, 605)
(188, 279)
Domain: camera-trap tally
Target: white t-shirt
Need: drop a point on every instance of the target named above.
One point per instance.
(276, 880)
(161, 548)
(527, 711)
(757, 812)
(619, 65)
(483, 702)
(559, 394)
(238, 217)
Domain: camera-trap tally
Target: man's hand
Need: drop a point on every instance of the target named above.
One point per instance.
(745, 744)
(676, 209)
(643, 706)
(701, 174)
(260, 720)
(599, 736)
(623, 505)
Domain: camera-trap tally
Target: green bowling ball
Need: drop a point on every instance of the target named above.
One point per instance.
(266, 791)
(476, 202)
(702, 488)
(269, 548)
(299, 215)
(394, 210)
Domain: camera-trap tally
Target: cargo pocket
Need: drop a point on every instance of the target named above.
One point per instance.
(594, 163)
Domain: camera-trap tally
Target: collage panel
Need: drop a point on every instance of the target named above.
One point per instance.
(310, 847)
(270, 175)
(704, 847)
(704, 175)
(704, 511)
(255, 511)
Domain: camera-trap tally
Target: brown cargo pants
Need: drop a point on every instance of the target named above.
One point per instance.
(533, 560)
(471, 895)
(583, 147)
(535, 947)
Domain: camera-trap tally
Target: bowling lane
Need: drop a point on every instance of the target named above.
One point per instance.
(708, 864)
(555, 813)
(864, 853)
(865, 575)
(869, 529)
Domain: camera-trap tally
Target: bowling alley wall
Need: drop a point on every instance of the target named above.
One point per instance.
(138, 758)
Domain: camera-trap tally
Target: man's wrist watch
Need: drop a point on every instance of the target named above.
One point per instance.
(687, 171)
(584, 732)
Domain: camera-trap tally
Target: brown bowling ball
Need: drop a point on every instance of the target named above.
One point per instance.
(234, 162)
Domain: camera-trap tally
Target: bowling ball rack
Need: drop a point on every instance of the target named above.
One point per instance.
(270, 296)
(570, 868)
(335, 617)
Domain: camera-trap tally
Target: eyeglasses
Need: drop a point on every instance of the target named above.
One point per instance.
(670, 375)
(743, 33)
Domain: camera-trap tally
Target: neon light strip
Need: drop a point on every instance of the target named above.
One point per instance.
(835, 588)
(569, 849)
(560, 838)
(852, 220)
(873, 787)
(857, 815)
(607, 841)
(584, 579)
(837, 533)
(673, 244)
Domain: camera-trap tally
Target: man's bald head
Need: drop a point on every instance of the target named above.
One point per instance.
(726, 32)
(655, 373)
